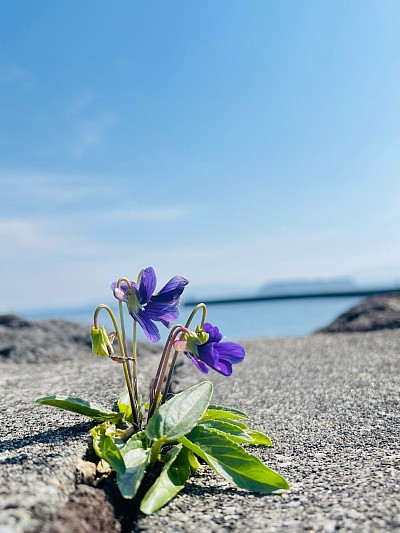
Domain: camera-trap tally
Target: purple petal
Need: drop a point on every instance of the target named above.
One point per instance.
(224, 368)
(147, 285)
(213, 332)
(221, 356)
(230, 352)
(172, 290)
(166, 323)
(119, 293)
(208, 354)
(199, 364)
(123, 285)
(149, 328)
(162, 311)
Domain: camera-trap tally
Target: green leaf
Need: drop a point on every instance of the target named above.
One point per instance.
(130, 453)
(231, 421)
(220, 411)
(192, 459)
(237, 431)
(111, 454)
(77, 405)
(136, 461)
(124, 405)
(233, 462)
(128, 460)
(259, 438)
(99, 435)
(232, 431)
(180, 414)
(171, 480)
(103, 432)
(105, 447)
(138, 440)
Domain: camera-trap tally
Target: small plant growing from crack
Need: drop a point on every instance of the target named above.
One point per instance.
(156, 446)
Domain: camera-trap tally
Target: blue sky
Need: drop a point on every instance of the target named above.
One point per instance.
(232, 142)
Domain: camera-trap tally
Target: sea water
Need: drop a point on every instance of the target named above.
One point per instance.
(278, 318)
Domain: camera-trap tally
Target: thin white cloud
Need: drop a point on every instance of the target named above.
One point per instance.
(21, 238)
(64, 267)
(16, 76)
(91, 133)
(73, 236)
(77, 248)
(277, 256)
(165, 214)
(59, 189)
(81, 103)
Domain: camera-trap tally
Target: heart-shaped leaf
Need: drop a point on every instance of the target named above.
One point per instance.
(180, 414)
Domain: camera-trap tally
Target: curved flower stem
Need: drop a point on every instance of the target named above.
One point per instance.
(131, 392)
(134, 356)
(173, 329)
(122, 322)
(162, 367)
(201, 306)
(134, 344)
(175, 356)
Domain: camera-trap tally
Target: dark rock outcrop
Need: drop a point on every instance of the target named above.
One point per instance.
(373, 313)
(47, 341)
(34, 341)
(87, 511)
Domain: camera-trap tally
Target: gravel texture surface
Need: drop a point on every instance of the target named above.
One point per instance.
(330, 403)
(40, 447)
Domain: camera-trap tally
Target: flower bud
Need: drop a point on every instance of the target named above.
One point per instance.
(101, 344)
(190, 341)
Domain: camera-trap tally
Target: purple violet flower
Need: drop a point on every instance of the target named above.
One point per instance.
(212, 353)
(146, 307)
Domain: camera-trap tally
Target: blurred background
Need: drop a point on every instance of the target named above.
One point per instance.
(247, 145)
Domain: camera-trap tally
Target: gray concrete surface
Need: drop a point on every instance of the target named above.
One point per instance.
(40, 445)
(330, 403)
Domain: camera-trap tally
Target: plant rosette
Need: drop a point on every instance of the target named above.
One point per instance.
(152, 449)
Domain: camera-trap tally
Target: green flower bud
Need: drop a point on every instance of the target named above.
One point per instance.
(194, 339)
(202, 336)
(101, 344)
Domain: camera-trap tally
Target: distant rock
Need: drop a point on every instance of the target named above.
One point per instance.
(373, 313)
(46, 341)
